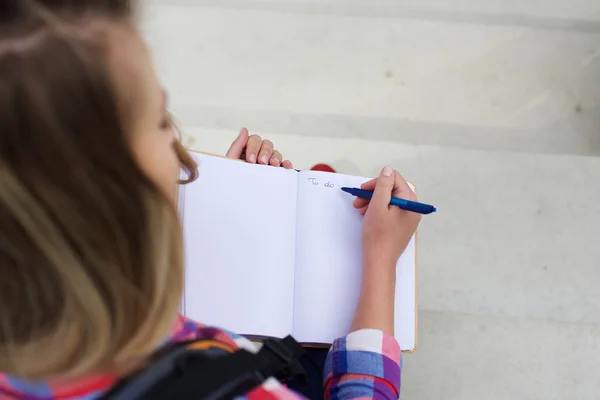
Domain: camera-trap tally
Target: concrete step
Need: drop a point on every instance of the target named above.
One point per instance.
(428, 81)
(468, 357)
(508, 12)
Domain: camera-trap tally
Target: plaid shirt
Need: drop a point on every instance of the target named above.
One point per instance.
(363, 365)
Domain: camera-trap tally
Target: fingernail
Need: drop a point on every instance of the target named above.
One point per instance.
(252, 158)
(276, 161)
(241, 131)
(387, 171)
(264, 160)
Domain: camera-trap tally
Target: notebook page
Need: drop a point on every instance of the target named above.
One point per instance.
(239, 224)
(329, 263)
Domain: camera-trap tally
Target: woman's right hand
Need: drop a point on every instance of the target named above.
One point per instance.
(387, 230)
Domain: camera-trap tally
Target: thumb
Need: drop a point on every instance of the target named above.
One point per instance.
(239, 144)
(384, 187)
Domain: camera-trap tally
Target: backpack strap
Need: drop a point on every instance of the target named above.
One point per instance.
(208, 370)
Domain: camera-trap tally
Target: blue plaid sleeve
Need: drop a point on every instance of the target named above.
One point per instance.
(366, 364)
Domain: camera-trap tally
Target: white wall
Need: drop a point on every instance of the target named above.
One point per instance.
(492, 108)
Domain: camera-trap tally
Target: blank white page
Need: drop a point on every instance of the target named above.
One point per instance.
(239, 223)
(329, 263)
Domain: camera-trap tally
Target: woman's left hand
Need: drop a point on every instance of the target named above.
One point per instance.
(254, 149)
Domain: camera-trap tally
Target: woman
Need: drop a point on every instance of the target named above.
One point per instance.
(91, 261)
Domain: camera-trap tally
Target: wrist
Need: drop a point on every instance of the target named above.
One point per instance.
(379, 275)
(378, 262)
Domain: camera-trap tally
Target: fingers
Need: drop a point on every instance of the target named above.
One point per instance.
(239, 144)
(360, 203)
(384, 188)
(265, 153)
(275, 159)
(252, 148)
(370, 185)
(401, 188)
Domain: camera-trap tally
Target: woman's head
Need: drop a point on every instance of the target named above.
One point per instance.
(91, 265)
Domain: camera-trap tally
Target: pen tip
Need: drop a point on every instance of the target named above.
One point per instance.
(347, 190)
(434, 209)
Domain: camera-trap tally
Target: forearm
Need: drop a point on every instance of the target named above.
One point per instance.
(366, 363)
(375, 309)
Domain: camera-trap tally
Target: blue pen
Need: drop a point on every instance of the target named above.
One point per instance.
(407, 205)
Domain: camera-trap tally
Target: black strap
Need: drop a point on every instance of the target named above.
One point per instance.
(182, 373)
(281, 359)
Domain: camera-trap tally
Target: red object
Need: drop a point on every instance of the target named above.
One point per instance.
(323, 168)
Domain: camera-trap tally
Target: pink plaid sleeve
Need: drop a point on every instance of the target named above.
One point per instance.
(366, 364)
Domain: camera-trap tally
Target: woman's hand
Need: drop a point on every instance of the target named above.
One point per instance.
(254, 149)
(387, 230)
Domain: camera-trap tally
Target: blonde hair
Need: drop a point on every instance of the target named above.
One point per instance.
(91, 261)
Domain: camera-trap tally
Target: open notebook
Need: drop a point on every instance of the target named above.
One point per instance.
(272, 252)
